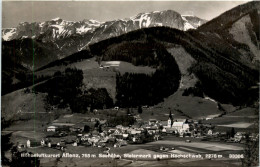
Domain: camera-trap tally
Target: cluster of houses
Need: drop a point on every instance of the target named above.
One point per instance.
(104, 136)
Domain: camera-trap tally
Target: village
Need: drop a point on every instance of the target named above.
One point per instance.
(97, 132)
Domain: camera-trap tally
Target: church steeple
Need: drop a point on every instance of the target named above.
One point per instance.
(170, 120)
(170, 115)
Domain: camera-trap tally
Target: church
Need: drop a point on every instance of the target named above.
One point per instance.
(178, 125)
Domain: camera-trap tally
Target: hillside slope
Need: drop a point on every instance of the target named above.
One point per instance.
(235, 33)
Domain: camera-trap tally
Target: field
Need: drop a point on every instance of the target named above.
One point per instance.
(242, 120)
(196, 147)
(17, 103)
(92, 64)
(194, 107)
(99, 77)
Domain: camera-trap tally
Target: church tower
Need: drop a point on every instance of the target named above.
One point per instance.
(170, 120)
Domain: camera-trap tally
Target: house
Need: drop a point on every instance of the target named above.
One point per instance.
(239, 135)
(102, 122)
(118, 132)
(93, 140)
(110, 131)
(164, 123)
(61, 146)
(111, 140)
(207, 125)
(195, 121)
(95, 133)
(210, 132)
(152, 130)
(135, 126)
(125, 136)
(120, 143)
(123, 143)
(140, 129)
(99, 144)
(119, 127)
(77, 128)
(28, 143)
(87, 119)
(170, 131)
(134, 132)
(156, 137)
(119, 136)
(163, 130)
(84, 137)
(145, 126)
(94, 119)
(215, 133)
(186, 128)
(51, 145)
(34, 143)
(104, 140)
(152, 122)
(42, 142)
(103, 134)
(51, 129)
(138, 118)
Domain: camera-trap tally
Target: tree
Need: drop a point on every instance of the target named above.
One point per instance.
(140, 110)
(86, 128)
(127, 111)
(63, 89)
(232, 133)
(18, 161)
(251, 150)
(170, 116)
(97, 124)
(6, 145)
(100, 129)
(251, 153)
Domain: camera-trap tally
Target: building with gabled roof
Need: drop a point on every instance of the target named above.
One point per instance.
(181, 126)
(152, 122)
(51, 128)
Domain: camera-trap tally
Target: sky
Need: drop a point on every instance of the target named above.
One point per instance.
(14, 12)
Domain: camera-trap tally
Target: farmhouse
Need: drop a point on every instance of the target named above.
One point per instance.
(110, 131)
(134, 132)
(152, 130)
(210, 132)
(51, 129)
(152, 122)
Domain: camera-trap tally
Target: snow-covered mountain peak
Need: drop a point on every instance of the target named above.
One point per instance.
(57, 28)
(56, 19)
(186, 15)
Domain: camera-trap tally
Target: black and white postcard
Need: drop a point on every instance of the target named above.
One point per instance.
(130, 83)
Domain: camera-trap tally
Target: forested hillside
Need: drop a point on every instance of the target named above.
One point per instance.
(222, 77)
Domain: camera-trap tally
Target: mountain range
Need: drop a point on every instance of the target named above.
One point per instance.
(58, 28)
(63, 38)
